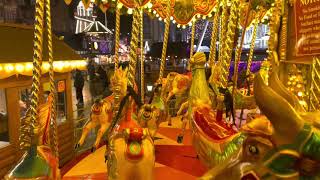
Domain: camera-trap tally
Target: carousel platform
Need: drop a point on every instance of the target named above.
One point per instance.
(173, 160)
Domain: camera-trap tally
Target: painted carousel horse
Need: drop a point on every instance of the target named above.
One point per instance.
(283, 145)
(102, 110)
(130, 150)
(174, 84)
(40, 157)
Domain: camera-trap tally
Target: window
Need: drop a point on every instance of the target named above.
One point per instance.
(61, 108)
(4, 130)
(25, 100)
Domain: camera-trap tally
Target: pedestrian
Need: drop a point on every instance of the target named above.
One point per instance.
(103, 77)
(79, 84)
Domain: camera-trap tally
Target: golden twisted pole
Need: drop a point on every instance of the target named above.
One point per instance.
(239, 51)
(315, 86)
(284, 33)
(52, 85)
(213, 47)
(165, 40)
(117, 39)
(253, 40)
(142, 58)
(27, 135)
(274, 25)
(229, 42)
(133, 47)
(193, 32)
(223, 29)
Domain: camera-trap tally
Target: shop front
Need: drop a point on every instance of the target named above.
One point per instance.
(15, 91)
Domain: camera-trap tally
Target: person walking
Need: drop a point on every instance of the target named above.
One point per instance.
(79, 84)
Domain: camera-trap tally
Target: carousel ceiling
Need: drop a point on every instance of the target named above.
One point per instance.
(183, 12)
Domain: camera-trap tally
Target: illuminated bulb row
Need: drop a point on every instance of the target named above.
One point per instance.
(27, 67)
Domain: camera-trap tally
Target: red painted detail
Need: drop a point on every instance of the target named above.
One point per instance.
(219, 115)
(135, 134)
(182, 158)
(206, 121)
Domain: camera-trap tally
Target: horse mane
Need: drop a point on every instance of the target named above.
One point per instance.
(116, 119)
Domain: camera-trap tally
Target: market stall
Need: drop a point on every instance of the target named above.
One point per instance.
(15, 90)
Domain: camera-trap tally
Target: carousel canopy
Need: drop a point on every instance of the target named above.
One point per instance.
(17, 51)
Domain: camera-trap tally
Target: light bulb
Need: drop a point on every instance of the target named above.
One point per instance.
(130, 11)
(19, 67)
(149, 5)
(119, 5)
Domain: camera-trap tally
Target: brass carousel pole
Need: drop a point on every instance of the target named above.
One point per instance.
(117, 38)
(28, 129)
(252, 46)
(229, 41)
(238, 52)
(215, 26)
(141, 54)
(28, 132)
(165, 40)
(223, 29)
(53, 119)
(315, 86)
(193, 31)
(133, 47)
(274, 25)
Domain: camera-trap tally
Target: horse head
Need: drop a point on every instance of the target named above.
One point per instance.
(119, 81)
(283, 144)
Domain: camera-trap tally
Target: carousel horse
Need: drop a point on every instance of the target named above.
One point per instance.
(102, 109)
(39, 156)
(285, 144)
(130, 151)
(241, 101)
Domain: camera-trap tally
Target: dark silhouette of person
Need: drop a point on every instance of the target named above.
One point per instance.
(79, 84)
(103, 77)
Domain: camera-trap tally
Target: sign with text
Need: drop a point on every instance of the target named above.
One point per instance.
(61, 86)
(307, 21)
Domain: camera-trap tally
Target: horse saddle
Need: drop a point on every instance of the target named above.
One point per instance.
(134, 137)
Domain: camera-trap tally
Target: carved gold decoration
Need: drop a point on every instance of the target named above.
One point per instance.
(183, 11)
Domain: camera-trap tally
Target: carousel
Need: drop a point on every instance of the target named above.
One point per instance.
(253, 124)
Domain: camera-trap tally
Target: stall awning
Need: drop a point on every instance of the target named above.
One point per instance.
(16, 52)
(17, 45)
